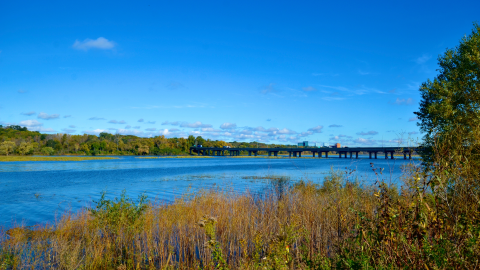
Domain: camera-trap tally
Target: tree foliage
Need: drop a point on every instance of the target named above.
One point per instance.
(452, 99)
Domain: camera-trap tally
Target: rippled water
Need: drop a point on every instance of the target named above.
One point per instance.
(38, 192)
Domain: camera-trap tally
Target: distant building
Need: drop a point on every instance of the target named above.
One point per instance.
(337, 145)
(304, 143)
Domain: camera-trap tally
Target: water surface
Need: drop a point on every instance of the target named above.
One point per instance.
(38, 192)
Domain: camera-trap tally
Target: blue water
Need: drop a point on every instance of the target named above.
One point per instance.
(39, 192)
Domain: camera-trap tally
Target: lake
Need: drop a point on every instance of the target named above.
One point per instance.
(39, 192)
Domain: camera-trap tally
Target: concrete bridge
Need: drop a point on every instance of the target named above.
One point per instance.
(320, 152)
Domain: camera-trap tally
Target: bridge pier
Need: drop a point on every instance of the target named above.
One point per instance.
(299, 154)
(351, 153)
(275, 154)
(375, 155)
(313, 154)
(326, 154)
(391, 155)
(356, 155)
(386, 155)
(339, 154)
(255, 153)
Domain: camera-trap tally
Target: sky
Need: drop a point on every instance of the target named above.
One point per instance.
(266, 71)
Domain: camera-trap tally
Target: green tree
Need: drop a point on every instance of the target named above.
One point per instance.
(47, 151)
(452, 100)
(7, 147)
(25, 148)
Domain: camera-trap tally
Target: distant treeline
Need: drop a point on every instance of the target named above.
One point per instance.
(17, 140)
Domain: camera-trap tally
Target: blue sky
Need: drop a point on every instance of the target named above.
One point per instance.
(264, 71)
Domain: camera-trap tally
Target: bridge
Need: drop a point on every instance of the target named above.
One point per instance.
(320, 152)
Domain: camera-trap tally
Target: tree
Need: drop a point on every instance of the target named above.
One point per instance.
(25, 148)
(452, 100)
(47, 151)
(7, 147)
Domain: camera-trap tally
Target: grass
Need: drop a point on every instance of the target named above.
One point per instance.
(48, 158)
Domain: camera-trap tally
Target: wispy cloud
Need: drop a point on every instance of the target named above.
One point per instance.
(228, 126)
(99, 43)
(151, 122)
(175, 123)
(412, 133)
(335, 126)
(29, 113)
(67, 116)
(309, 89)
(21, 91)
(317, 129)
(197, 124)
(268, 89)
(402, 101)
(72, 126)
(122, 122)
(140, 120)
(45, 116)
(372, 132)
(422, 59)
(150, 129)
(413, 119)
(96, 118)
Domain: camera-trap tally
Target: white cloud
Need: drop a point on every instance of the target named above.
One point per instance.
(286, 131)
(127, 126)
(228, 125)
(99, 43)
(197, 124)
(30, 123)
(45, 116)
(317, 129)
(150, 129)
(95, 131)
(34, 125)
(364, 141)
(29, 113)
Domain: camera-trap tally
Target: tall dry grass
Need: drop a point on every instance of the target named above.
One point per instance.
(283, 227)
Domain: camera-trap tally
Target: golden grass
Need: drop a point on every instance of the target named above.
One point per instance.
(48, 158)
(248, 230)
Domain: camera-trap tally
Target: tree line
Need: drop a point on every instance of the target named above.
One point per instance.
(18, 140)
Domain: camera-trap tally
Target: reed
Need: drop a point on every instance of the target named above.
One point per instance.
(48, 158)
